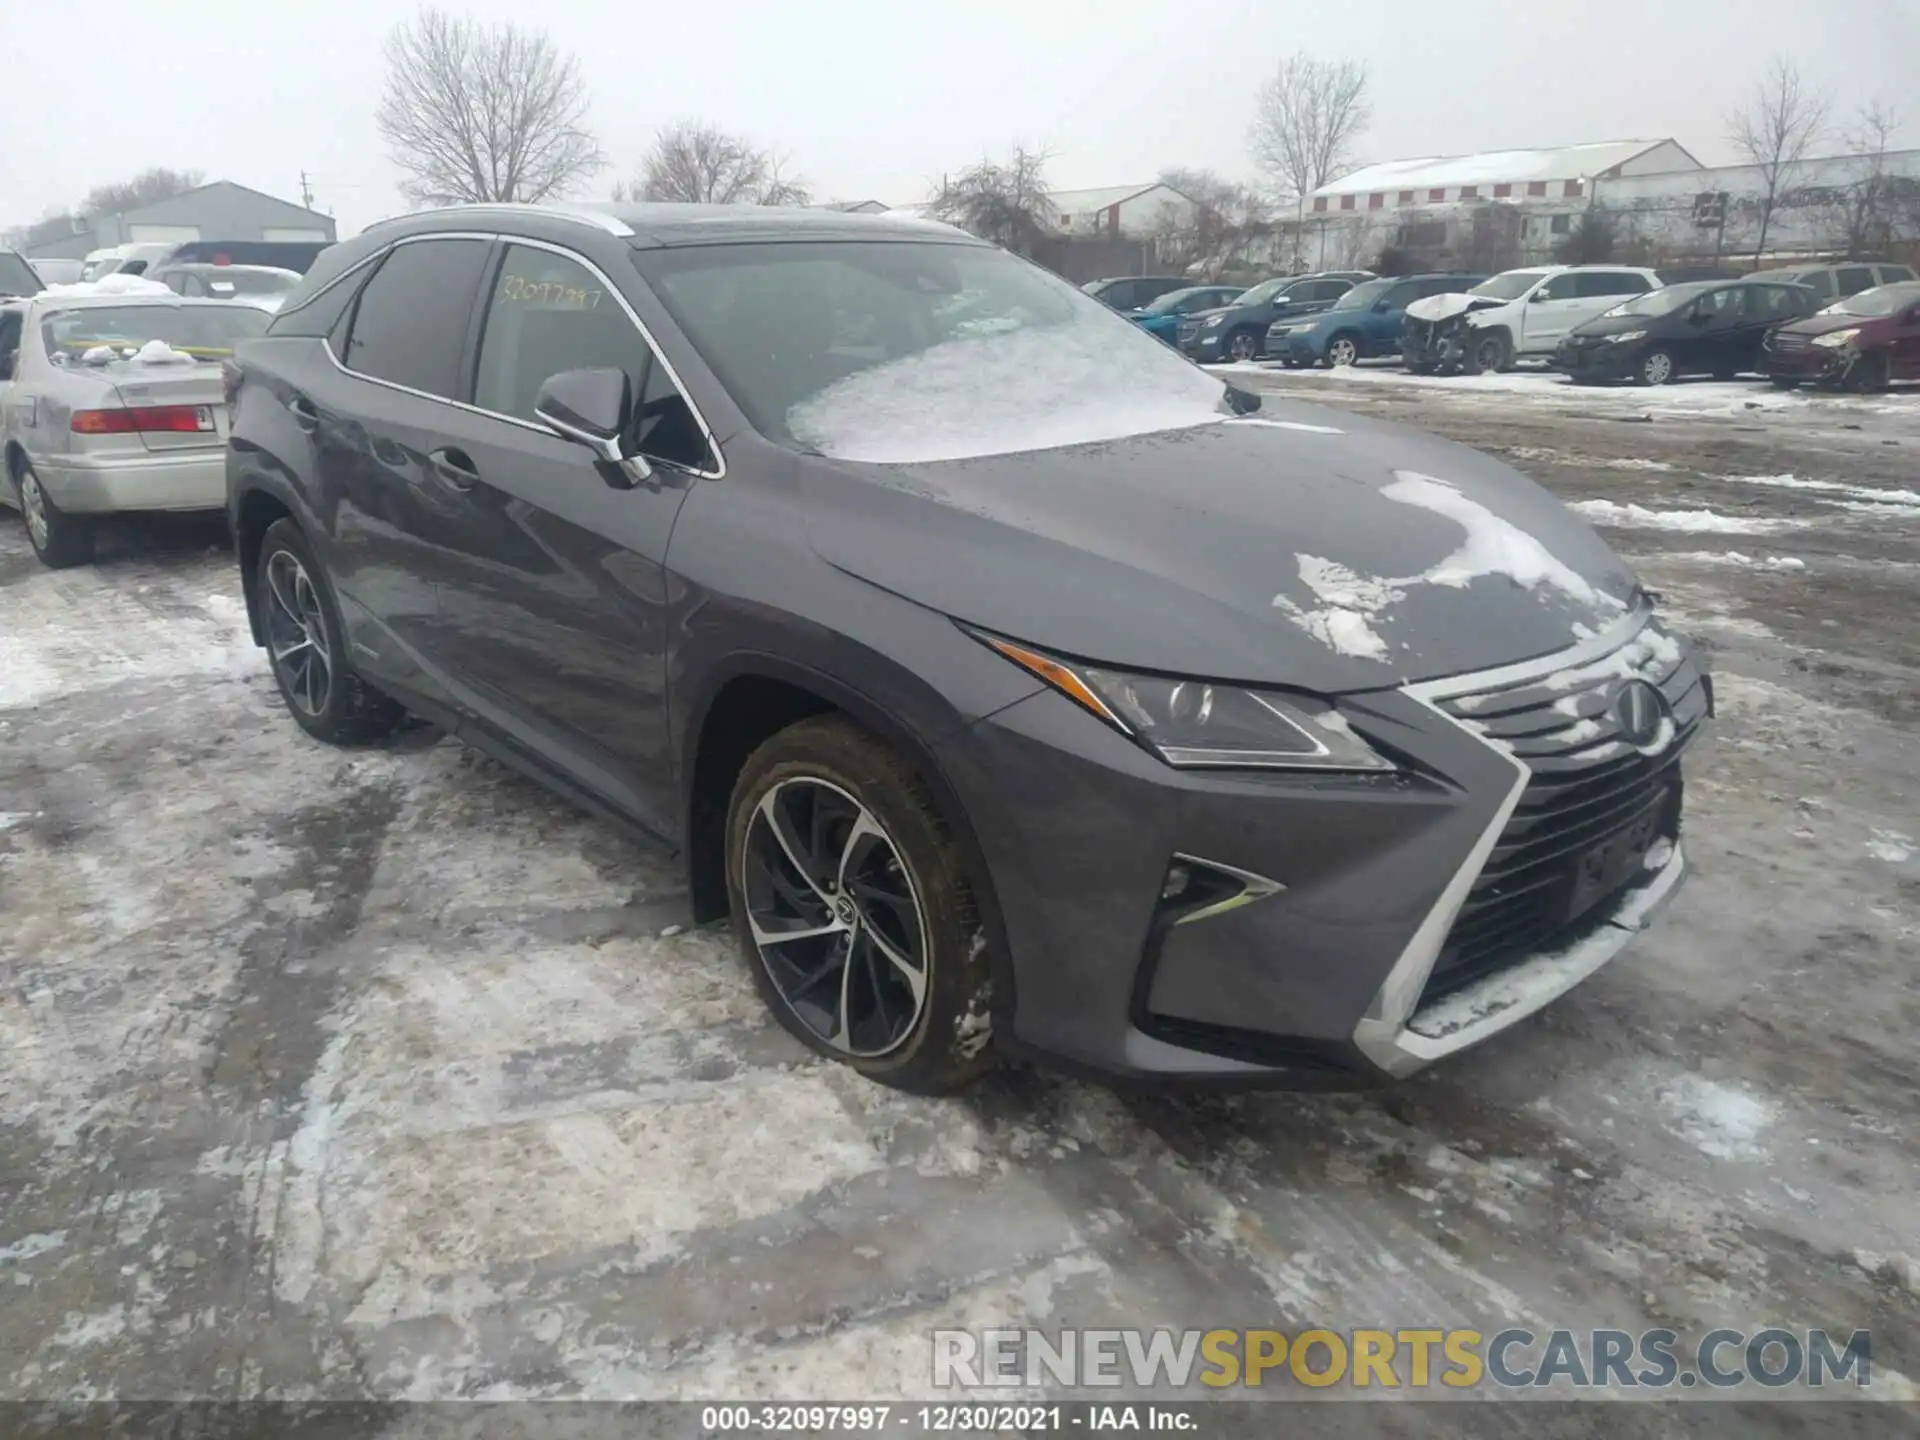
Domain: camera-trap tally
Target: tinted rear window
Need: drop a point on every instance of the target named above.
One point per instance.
(410, 324)
(206, 332)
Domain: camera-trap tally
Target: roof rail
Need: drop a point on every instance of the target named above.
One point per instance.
(600, 219)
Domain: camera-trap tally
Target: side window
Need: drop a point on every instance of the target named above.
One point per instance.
(409, 323)
(1561, 287)
(1719, 305)
(1324, 290)
(1854, 279)
(1401, 296)
(1610, 282)
(325, 313)
(1820, 282)
(1895, 274)
(10, 323)
(550, 313)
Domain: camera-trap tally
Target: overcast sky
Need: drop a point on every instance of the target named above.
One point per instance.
(875, 98)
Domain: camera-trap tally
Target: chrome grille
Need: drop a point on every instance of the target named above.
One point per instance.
(1587, 787)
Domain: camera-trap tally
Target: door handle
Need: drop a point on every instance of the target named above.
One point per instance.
(453, 469)
(304, 415)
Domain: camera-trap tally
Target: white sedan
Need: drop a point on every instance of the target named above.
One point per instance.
(112, 402)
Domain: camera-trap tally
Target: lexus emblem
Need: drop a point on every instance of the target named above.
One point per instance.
(1639, 710)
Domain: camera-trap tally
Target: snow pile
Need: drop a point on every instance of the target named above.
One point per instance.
(1350, 602)
(1638, 517)
(1891, 846)
(1031, 389)
(99, 355)
(1717, 1119)
(109, 285)
(159, 352)
(1867, 493)
(1734, 557)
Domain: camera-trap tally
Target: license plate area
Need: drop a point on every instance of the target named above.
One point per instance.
(1605, 868)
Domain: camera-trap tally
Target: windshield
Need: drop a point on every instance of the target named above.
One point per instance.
(1361, 296)
(205, 332)
(1265, 290)
(1510, 286)
(17, 277)
(1660, 302)
(1885, 300)
(903, 352)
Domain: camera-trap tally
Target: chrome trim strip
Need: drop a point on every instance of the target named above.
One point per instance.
(1382, 1034)
(653, 346)
(599, 219)
(1253, 887)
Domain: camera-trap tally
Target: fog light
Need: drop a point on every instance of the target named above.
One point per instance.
(1195, 889)
(1178, 879)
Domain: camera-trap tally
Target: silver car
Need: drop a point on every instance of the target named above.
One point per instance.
(112, 403)
(262, 285)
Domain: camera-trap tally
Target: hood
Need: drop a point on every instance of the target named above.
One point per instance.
(1300, 546)
(1615, 324)
(1827, 324)
(1445, 307)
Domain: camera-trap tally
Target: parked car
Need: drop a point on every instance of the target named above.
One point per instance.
(1162, 317)
(1130, 292)
(1711, 327)
(949, 617)
(295, 255)
(17, 277)
(1837, 281)
(112, 403)
(261, 285)
(57, 271)
(1860, 343)
(1518, 313)
(1239, 332)
(130, 259)
(1362, 323)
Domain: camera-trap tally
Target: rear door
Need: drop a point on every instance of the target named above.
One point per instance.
(1598, 291)
(1762, 308)
(377, 417)
(553, 594)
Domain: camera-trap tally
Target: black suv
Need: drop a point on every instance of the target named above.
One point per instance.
(933, 610)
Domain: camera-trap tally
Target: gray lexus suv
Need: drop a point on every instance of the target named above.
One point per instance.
(1010, 683)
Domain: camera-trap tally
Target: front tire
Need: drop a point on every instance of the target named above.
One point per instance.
(1492, 353)
(307, 646)
(1655, 367)
(1342, 350)
(1869, 375)
(1243, 346)
(853, 909)
(59, 539)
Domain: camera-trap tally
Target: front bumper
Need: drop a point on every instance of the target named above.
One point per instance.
(1301, 347)
(98, 485)
(1208, 346)
(1602, 361)
(1399, 918)
(1435, 343)
(1815, 363)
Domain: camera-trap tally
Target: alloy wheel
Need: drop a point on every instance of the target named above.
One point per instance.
(34, 506)
(835, 917)
(1342, 352)
(1243, 347)
(297, 634)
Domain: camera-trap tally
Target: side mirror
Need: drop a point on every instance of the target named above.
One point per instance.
(589, 407)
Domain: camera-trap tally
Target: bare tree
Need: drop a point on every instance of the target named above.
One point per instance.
(1773, 132)
(1865, 216)
(145, 188)
(703, 165)
(1217, 232)
(475, 112)
(1005, 203)
(1309, 115)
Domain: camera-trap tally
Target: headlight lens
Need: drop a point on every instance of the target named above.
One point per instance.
(1626, 337)
(1200, 724)
(1213, 320)
(1835, 339)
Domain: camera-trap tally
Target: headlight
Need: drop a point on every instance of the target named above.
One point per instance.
(1836, 339)
(1213, 320)
(1199, 724)
(1626, 337)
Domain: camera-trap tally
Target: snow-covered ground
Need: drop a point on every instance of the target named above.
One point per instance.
(383, 1073)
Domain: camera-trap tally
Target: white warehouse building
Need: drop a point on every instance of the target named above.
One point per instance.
(1522, 177)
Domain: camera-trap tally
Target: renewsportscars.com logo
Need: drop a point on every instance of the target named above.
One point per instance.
(1211, 1361)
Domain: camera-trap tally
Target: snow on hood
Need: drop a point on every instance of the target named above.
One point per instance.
(110, 285)
(994, 394)
(1492, 546)
(1442, 307)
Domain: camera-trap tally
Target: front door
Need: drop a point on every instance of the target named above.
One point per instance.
(1712, 342)
(553, 596)
(1554, 309)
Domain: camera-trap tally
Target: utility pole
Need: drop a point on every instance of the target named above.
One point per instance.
(306, 191)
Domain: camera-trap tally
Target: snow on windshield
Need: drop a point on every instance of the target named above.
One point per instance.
(994, 394)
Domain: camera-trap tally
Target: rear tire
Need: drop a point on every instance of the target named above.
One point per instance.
(888, 973)
(59, 539)
(307, 646)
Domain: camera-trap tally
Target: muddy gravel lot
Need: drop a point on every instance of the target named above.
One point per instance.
(382, 1074)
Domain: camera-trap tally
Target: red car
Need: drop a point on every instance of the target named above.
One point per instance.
(1860, 343)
